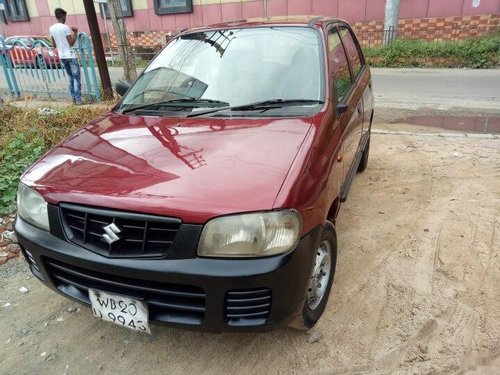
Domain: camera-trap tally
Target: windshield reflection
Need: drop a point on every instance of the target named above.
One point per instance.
(84, 166)
(166, 135)
(237, 66)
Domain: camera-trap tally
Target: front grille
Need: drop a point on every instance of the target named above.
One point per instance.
(168, 303)
(135, 235)
(248, 307)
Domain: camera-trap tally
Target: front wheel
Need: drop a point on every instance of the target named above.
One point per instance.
(320, 282)
(7, 59)
(40, 62)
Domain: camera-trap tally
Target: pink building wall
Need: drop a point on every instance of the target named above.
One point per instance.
(350, 10)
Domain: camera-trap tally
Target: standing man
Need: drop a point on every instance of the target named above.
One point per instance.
(64, 38)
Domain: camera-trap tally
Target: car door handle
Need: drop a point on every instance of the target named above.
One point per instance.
(359, 110)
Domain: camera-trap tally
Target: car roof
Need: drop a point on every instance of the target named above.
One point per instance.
(309, 21)
(27, 36)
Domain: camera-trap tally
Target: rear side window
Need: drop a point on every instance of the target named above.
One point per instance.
(353, 51)
(339, 68)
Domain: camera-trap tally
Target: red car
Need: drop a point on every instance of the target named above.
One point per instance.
(32, 50)
(207, 198)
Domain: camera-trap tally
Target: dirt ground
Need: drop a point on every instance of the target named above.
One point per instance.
(417, 288)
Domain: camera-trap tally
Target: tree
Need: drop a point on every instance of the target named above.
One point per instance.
(126, 53)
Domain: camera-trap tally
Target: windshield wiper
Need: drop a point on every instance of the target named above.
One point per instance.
(266, 104)
(174, 102)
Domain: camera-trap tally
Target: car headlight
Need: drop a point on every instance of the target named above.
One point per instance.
(32, 207)
(251, 235)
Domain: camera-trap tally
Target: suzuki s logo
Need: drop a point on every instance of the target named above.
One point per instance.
(111, 233)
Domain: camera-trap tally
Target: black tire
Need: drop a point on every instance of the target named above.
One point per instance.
(364, 158)
(6, 56)
(7, 59)
(308, 315)
(40, 62)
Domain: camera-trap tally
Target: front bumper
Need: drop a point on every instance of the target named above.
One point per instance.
(205, 294)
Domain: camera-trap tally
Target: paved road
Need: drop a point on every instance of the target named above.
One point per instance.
(437, 88)
(416, 88)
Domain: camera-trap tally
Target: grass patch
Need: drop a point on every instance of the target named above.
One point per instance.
(472, 53)
(25, 135)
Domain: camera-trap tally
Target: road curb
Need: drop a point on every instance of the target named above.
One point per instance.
(442, 135)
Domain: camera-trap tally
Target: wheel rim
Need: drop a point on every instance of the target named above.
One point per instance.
(320, 275)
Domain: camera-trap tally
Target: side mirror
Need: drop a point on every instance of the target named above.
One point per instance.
(341, 108)
(121, 87)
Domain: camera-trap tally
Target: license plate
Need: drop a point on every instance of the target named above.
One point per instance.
(124, 311)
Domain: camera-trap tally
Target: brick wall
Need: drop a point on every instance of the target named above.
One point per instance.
(370, 33)
(206, 12)
(439, 29)
(151, 39)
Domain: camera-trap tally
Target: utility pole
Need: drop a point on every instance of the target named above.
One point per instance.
(391, 20)
(129, 71)
(100, 58)
(105, 17)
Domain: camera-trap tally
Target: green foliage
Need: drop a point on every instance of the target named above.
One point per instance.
(472, 53)
(19, 153)
(25, 135)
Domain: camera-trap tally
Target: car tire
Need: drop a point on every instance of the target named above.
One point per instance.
(323, 272)
(39, 62)
(6, 57)
(364, 158)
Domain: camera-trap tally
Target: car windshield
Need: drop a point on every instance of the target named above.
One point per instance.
(18, 41)
(29, 41)
(234, 68)
(44, 40)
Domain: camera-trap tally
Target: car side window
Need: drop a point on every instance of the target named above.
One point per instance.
(355, 58)
(339, 68)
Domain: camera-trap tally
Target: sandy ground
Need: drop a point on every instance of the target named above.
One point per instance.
(417, 288)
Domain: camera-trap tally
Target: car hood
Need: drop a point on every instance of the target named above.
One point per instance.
(193, 169)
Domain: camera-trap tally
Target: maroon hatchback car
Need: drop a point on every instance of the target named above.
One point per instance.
(207, 197)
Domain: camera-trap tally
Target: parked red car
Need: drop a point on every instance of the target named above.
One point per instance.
(32, 50)
(207, 197)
